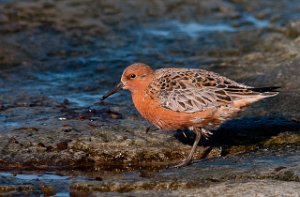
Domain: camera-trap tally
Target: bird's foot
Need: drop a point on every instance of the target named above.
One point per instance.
(184, 163)
(206, 133)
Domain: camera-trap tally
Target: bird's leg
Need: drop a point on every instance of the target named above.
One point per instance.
(188, 159)
(184, 134)
(148, 129)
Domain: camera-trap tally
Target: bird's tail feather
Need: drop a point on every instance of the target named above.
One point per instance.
(266, 91)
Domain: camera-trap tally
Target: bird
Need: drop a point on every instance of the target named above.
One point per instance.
(187, 98)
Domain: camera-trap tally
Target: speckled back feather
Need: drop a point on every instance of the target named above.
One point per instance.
(193, 90)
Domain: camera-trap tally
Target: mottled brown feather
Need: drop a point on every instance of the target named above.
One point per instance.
(194, 90)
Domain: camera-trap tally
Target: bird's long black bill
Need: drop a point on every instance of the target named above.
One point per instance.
(114, 90)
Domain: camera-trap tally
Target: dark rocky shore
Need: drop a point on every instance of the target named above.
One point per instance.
(57, 58)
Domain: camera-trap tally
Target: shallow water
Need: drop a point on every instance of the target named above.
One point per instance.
(42, 177)
(81, 74)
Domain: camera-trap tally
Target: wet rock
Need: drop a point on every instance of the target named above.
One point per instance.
(11, 190)
(253, 172)
(107, 146)
(62, 145)
(48, 190)
(127, 187)
(249, 188)
(11, 55)
(293, 29)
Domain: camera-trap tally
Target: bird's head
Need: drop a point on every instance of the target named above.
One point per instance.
(135, 77)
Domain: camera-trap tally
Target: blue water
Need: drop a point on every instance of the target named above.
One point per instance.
(194, 29)
(73, 83)
(52, 179)
(40, 177)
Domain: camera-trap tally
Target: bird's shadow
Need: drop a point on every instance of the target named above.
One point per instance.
(243, 131)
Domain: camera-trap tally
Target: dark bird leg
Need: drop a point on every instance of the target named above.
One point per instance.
(148, 129)
(199, 132)
(184, 134)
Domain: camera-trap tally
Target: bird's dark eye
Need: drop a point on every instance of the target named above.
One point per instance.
(132, 76)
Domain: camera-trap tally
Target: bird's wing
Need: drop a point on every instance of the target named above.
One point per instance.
(194, 90)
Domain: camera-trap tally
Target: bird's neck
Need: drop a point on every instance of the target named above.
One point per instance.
(141, 102)
(140, 98)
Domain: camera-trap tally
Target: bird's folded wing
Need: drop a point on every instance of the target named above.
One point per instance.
(191, 101)
(194, 90)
